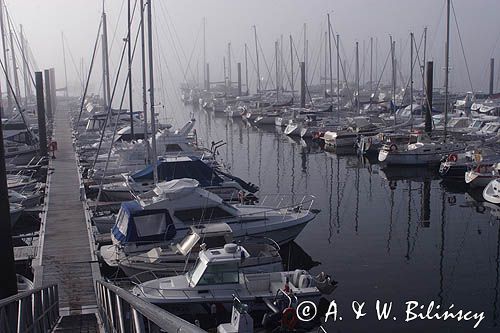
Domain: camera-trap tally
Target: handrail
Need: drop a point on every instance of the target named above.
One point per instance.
(120, 312)
(35, 310)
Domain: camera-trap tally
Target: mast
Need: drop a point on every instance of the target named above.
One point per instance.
(305, 47)
(5, 57)
(257, 55)
(338, 77)
(64, 62)
(152, 92)
(106, 84)
(330, 52)
(291, 66)
(325, 74)
(229, 78)
(144, 83)
(357, 77)
(246, 69)
(411, 75)
(393, 80)
(423, 66)
(14, 65)
(371, 66)
(446, 67)
(204, 53)
(129, 58)
(277, 71)
(26, 79)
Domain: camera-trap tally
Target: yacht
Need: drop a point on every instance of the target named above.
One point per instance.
(179, 257)
(217, 276)
(422, 152)
(166, 213)
(481, 175)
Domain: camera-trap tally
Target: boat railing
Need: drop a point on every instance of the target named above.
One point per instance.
(35, 310)
(281, 201)
(121, 311)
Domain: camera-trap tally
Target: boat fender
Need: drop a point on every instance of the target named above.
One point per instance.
(289, 318)
(453, 158)
(393, 147)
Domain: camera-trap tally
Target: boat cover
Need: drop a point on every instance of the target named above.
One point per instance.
(186, 167)
(135, 224)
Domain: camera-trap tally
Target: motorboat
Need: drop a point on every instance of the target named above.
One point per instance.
(217, 276)
(16, 210)
(226, 186)
(482, 174)
(27, 200)
(491, 192)
(159, 217)
(179, 257)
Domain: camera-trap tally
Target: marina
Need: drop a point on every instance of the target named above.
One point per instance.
(231, 199)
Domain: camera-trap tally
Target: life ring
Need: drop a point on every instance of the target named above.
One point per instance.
(393, 147)
(452, 158)
(289, 318)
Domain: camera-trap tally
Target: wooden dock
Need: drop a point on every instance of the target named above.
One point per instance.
(65, 251)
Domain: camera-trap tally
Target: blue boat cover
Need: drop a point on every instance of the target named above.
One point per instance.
(181, 168)
(134, 224)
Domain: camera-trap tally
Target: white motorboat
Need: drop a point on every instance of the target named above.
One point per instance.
(482, 174)
(491, 192)
(160, 216)
(422, 152)
(217, 276)
(178, 258)
(28, 200)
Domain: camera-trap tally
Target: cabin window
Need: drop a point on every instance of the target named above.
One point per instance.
(150, 225)
(201, 214)
(173, 147)
(220, 273)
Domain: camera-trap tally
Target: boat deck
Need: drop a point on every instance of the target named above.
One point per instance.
(65, 250)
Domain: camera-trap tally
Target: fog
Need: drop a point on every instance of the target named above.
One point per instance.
(178, 36)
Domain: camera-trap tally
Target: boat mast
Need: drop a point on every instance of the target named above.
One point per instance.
(26, 78)
(257, 56)
(277, 71)
(330, 52)
(14, 64)
(291, 67)
(357, 77)
(371, 67)
(152, 92)
(229, 78)
(129, 58)
(204, 53)
(411, 75)
(5, 57)
(144, 84)
(106, 84)
(246, 68)
(423, 66)
(393, 80)
(446, 67)
(338, 77)
(64, 61)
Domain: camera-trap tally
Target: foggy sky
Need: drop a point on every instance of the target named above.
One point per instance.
(232, 21)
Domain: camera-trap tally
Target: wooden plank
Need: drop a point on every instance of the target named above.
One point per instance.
(23, 253)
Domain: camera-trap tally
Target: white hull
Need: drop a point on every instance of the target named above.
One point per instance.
(491, 192)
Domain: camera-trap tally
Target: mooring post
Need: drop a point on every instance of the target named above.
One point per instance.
(48, 95)
(8, 280)
(239, 78)
(302, 84)
(53, 90)
(428, 96)
(40, 107)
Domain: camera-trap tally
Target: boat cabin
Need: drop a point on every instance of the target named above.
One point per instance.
(217, 266)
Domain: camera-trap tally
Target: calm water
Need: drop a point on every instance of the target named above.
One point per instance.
(391, 235)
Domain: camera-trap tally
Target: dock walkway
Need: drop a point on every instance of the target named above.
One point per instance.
(65, 252)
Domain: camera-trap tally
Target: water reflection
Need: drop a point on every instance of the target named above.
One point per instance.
(384, 233)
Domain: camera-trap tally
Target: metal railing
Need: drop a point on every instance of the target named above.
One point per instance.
(35, 311)
(122, 312)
